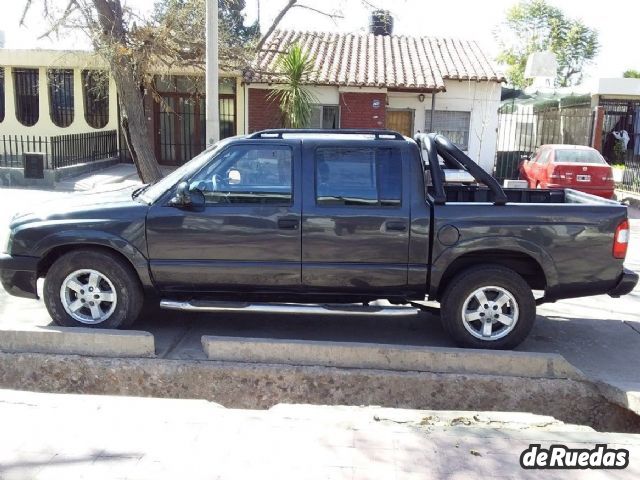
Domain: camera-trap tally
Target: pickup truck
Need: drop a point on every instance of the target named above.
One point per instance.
(308, 217)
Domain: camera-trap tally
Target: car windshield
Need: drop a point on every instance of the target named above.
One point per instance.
(154, 191)
(579, 156)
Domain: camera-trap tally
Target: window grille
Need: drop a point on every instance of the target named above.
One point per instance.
(26, 87)
(452, 124)
(61, 97)
(95, 90)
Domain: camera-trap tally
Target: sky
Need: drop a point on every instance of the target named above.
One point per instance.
(466, 19)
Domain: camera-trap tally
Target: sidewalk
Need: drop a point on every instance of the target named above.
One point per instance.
(123, 174)
(51, 436)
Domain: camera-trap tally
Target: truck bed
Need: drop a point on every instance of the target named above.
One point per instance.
(482, 194)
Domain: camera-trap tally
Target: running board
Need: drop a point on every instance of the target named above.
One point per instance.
(301, 309)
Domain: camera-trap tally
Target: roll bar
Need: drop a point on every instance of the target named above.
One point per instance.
(432, 145)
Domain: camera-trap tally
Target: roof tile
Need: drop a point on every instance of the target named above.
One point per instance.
(395, 61)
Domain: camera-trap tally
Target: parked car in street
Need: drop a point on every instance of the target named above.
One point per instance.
(308, 217)
(569, 166)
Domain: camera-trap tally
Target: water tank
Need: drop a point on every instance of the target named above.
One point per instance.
(381, 22)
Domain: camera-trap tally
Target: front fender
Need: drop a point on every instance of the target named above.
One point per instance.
(449, 254)
(88, 238)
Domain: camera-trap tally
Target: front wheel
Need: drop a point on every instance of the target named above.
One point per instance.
(488, 306)
(92, 288)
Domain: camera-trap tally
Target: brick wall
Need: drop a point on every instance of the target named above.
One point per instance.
(357, 111)
(263, 113)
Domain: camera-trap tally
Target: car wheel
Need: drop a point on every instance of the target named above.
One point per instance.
(488, 306)
(90, 288)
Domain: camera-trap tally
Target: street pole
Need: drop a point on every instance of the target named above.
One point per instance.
(212, 118)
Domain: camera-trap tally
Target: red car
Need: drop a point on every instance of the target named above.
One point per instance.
(569, 166)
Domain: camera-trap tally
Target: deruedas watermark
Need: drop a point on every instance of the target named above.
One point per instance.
(562, 457)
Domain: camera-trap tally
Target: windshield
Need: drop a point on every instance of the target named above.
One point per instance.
(155, 191)
(579, 156)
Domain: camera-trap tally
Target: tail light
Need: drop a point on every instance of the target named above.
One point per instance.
(621, 240)
(556, 174)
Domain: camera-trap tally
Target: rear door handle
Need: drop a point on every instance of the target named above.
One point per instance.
(396, 226)
(288, 224)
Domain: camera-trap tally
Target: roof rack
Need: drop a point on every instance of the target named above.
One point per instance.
(379, 134)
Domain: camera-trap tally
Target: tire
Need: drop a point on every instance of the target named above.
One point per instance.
(119, 296)
(494, 281)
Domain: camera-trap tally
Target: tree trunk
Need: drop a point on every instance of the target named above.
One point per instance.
(135, 125)
(111, 24)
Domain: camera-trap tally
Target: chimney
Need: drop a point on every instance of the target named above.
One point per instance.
(381, 22)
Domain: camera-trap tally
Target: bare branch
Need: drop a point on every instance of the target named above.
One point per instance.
(25, 10)
(69, 9)
(326, 14)
(276, 22)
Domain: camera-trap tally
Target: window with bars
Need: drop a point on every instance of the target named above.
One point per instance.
(95, 90)
(452, 124)
(325, 116)
(26, 88)
(1, 94)
(61, 97)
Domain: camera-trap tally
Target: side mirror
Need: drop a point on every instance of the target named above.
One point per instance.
(186, 197)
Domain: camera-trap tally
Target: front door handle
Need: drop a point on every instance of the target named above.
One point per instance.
(288, 224)
(396, 226)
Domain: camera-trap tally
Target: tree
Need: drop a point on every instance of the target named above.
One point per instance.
(631, 74)
(172, 36)
(536, 26)
(296, 100)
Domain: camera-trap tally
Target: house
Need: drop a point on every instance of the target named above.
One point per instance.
(408, 84)
(362, 80)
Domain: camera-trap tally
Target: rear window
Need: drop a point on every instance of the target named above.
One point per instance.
(579, 156)
(358, 176)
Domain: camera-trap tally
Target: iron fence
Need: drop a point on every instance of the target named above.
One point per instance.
(67, 150)
(60, 150)
(522, 131)
(15, 146)
(622, 116)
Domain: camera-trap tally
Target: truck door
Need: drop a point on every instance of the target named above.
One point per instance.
(247, 235)
(355, 219)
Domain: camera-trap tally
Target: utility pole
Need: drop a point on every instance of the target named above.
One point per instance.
(212, 118)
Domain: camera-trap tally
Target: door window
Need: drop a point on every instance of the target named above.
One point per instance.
(248, 174)
(359, 176)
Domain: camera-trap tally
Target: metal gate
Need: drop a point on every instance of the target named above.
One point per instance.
(180, 121)
(524, 128)
(623, 116)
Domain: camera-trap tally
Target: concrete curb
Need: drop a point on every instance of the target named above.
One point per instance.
(389, 357)
(78, 341)
(252, 385)
(626, 395)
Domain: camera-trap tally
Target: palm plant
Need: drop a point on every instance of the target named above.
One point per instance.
(295, 99)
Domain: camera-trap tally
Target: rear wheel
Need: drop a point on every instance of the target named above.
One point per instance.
(91, 288)
(488, 306)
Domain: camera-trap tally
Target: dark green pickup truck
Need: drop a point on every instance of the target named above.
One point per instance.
(308, 217)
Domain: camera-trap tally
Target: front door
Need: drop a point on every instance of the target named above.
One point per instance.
(400, 121)
(355, 224)
(247, 235)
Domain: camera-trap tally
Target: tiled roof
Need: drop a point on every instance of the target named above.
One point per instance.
(395, 61)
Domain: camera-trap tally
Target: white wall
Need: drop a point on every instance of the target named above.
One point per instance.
(482, 99)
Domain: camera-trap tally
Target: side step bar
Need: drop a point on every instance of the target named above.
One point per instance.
(300, 309)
